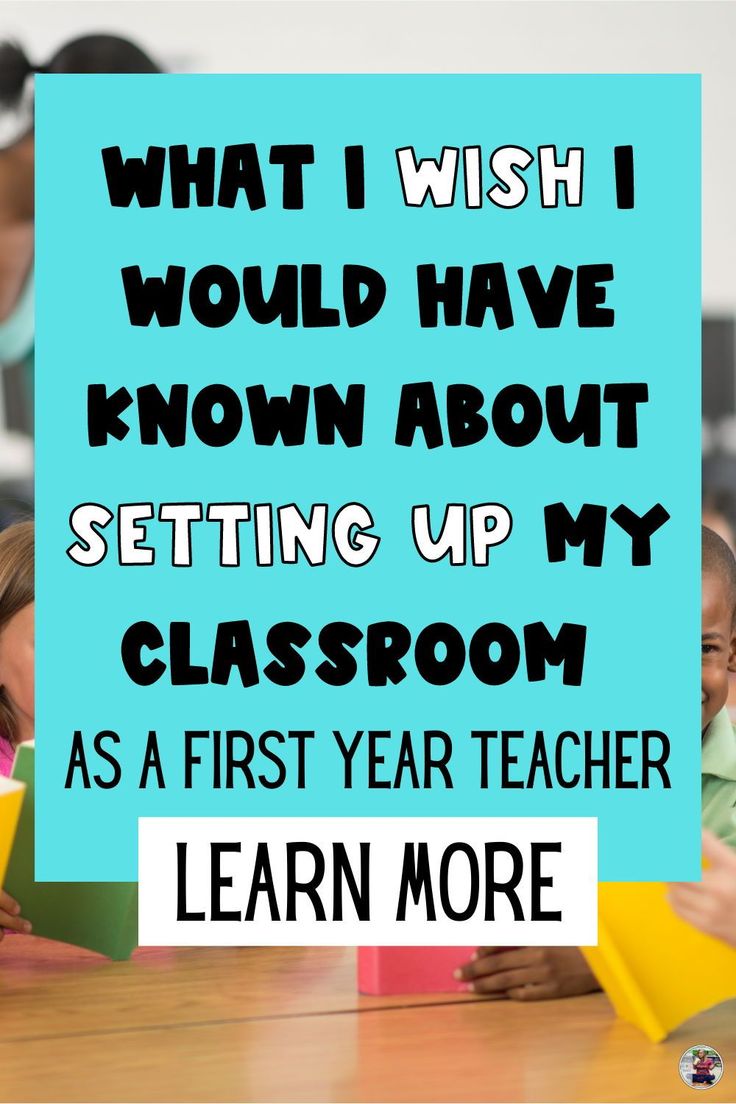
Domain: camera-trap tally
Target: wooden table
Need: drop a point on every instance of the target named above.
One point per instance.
(242, 1024)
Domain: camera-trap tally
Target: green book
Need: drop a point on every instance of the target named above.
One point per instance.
(102, 916)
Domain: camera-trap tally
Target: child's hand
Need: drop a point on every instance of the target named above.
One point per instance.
(711, 904)
(10, 916)
(528, 973)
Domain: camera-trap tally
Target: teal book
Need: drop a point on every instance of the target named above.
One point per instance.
(102, 916)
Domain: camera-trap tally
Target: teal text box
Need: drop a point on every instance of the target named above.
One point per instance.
(641, 661)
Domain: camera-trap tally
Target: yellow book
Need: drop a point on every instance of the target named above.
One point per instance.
(657, 970)
(11, 800)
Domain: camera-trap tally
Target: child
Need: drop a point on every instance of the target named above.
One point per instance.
(16, 667)
(711, 904)
(536, 973)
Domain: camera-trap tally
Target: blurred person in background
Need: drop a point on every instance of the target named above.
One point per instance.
(97, 53)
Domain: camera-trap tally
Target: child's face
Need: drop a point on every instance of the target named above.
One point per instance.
(718, 647)
(16, 662)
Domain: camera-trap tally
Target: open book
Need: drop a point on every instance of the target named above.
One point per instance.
(657, 970)
(102, 916)
(11, 799)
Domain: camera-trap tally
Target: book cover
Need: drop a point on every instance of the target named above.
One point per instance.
(392, 971)
(11, 799)
(102, 916)
(657, 970)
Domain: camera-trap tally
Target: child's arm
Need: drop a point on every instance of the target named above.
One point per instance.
(10, 916)
(529, 973)
(710, 905)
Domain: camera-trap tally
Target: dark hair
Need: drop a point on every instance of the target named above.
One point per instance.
(100, 53)
(14, 68)
(97, 53)
(718, 559)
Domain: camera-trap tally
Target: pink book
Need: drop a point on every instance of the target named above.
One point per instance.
(390, 971)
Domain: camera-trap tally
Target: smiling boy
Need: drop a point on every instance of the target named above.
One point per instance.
(711, 903)
(538, 973)
(718, 658)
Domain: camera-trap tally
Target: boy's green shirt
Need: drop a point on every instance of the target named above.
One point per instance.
(719, 778)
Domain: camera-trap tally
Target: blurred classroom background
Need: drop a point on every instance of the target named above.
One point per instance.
(449, 36)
